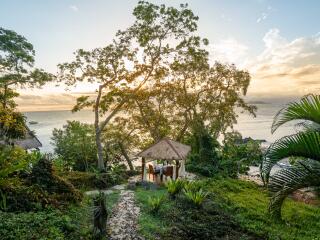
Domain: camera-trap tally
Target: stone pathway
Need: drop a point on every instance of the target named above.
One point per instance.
(122, 224)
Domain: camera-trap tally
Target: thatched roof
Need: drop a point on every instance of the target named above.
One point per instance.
(29, 142)
(166, 149)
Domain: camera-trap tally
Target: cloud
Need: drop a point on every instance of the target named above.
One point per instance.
(228, 51)
(286, 67)
(74, 8)
(265, 15)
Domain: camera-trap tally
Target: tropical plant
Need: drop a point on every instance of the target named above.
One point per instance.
(195, 196)
(155, 203)
(304, 145)
(100, 216)
(174, 187)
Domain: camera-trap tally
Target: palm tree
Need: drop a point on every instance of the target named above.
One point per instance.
(304, 145)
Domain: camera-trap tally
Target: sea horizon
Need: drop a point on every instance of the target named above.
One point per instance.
(256, 128)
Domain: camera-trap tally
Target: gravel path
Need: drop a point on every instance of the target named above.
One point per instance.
(122, 224)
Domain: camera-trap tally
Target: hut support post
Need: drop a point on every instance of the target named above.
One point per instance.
(143, 166)
(177, 169)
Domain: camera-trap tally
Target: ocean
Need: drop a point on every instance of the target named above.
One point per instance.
(256, 128)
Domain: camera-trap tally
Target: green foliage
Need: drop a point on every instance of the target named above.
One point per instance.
(195, 196)
(75, 146)
(13, 160)
(96, 180)
(194, 193)
(176, 220)
(234, 209)
(204, 157)
(55, 188)
(74, 223)
(12, 124)
(303, 145)
(155, 203)
(237, 155)
(248, 203)
(100, 215)
(174, 187)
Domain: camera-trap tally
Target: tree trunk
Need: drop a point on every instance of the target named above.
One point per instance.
(124, 153)
(100, 151)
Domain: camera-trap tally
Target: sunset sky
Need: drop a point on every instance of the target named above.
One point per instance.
(277, 41)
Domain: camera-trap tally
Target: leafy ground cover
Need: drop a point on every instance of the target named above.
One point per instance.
(234, 209)
(248, 203)
(75, 222)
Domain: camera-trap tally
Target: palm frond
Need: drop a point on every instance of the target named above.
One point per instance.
(303, 144)
(308, 108)
(286, 181)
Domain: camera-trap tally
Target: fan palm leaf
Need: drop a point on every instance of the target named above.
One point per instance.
(286, 181)
(303, 144)
(308, 108)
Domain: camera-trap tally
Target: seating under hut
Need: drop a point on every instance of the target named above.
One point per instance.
(171, 155)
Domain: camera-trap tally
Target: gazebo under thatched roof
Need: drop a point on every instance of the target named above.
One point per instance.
(29, 142)
(165, 149)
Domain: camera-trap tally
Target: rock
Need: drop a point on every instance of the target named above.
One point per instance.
(122, 224)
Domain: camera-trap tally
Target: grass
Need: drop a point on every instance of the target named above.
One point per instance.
(112, 199)
(247, 205)
(151, 225)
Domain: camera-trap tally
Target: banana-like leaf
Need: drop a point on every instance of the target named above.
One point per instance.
(308, 108)
(303, 144)
(286, 181)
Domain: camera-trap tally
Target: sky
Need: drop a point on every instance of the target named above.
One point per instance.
(278, 42)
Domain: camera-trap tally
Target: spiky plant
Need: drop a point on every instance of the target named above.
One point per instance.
(174, 187)
(304, 145)
(155, 203)
(100, 216)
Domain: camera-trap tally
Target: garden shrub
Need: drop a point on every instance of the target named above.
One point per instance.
(44, 176)
(95, 180)
(238, 154)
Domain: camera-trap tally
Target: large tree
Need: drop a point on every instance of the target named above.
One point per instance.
(16, 70)
(197, 92)
(140, 54)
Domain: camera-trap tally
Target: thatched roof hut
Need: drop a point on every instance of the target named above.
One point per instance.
(166, 149)
(29, 142)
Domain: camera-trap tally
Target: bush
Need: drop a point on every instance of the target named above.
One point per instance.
(195, 165)
(238, 155)
(75, 146)
(44, 176)
(13, 160)
(155, 203)
(95, 180)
